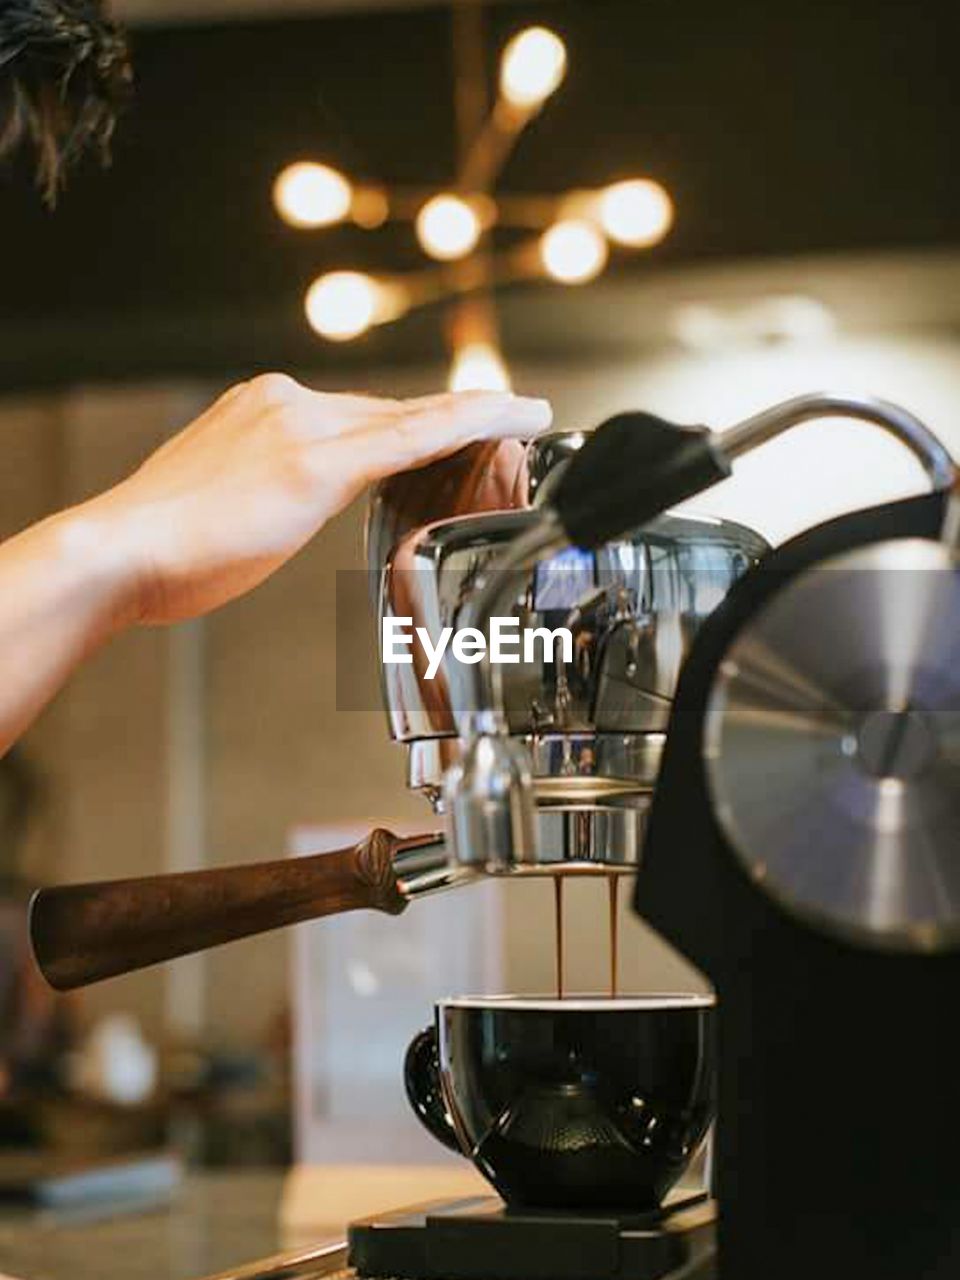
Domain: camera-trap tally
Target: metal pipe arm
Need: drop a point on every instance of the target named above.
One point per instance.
(909, 430)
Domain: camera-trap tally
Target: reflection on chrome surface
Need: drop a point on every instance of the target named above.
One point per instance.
(591, 728)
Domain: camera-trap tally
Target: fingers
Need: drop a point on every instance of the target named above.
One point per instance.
(316, 415)
(408, 431)
(431, 429)
(440, 424)
(523, 415)
(466, 415)
(326, 415)
(365, 437)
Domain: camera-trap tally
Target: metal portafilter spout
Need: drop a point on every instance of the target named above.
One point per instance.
(629, 471)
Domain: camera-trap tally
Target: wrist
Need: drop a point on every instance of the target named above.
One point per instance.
(97, 545)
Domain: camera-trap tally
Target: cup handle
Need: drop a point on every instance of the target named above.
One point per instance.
(421, 1079)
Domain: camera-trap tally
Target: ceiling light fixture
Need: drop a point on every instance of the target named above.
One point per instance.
(565, 237)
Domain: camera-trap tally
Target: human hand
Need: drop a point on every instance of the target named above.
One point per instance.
(234, 495)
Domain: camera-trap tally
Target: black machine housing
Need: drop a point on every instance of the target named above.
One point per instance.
(838, 1143)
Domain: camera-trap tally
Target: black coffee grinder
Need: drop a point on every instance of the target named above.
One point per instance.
(804, 852)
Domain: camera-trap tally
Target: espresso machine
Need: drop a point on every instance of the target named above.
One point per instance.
(537, 768)
(769, 741)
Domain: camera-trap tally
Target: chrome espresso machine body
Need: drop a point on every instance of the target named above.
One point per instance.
(590, 732)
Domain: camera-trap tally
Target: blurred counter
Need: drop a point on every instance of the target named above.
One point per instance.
(216, 1221)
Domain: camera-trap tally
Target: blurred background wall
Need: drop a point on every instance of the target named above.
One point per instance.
(207, 743)
(810, 150)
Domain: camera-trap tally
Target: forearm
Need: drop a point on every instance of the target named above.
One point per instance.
(65, 588)
(210, 515)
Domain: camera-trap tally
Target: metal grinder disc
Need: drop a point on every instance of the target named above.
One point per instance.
(832, 746)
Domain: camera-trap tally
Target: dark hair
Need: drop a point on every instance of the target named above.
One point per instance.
(64, 74)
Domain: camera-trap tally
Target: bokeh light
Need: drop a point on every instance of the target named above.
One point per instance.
(448, 227)
(342, 305)
(573, 251)
(307, 194)
(532, 67)
(478, 366)
(638, 212)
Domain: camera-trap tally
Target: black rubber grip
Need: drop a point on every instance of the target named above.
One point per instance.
(632, 468)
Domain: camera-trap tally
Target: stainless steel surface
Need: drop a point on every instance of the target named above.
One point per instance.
(488, 799)
(424, 866)
(488, 794)
(592, 793)
(919, 439)
(500, 585)
(530, 783)
(833, 746)
(633, 606)
(582, 766)
(587, 732)
(950, 534)
(594, 836)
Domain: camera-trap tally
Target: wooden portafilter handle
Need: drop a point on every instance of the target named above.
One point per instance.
(84, 933)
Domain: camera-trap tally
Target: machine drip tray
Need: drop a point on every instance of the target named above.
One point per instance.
(479, 1239)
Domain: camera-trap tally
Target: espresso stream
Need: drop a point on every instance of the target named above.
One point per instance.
(558, 931)
(613, 886)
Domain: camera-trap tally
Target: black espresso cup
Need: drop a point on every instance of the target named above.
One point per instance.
(577, 1103)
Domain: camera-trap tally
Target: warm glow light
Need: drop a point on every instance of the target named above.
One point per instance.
(573, 251)
(636, 213)
(532, 67)
(342, 304)
(757, 322)
(448, 227)
(307, 194)
(478, 366)
(370, 207)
